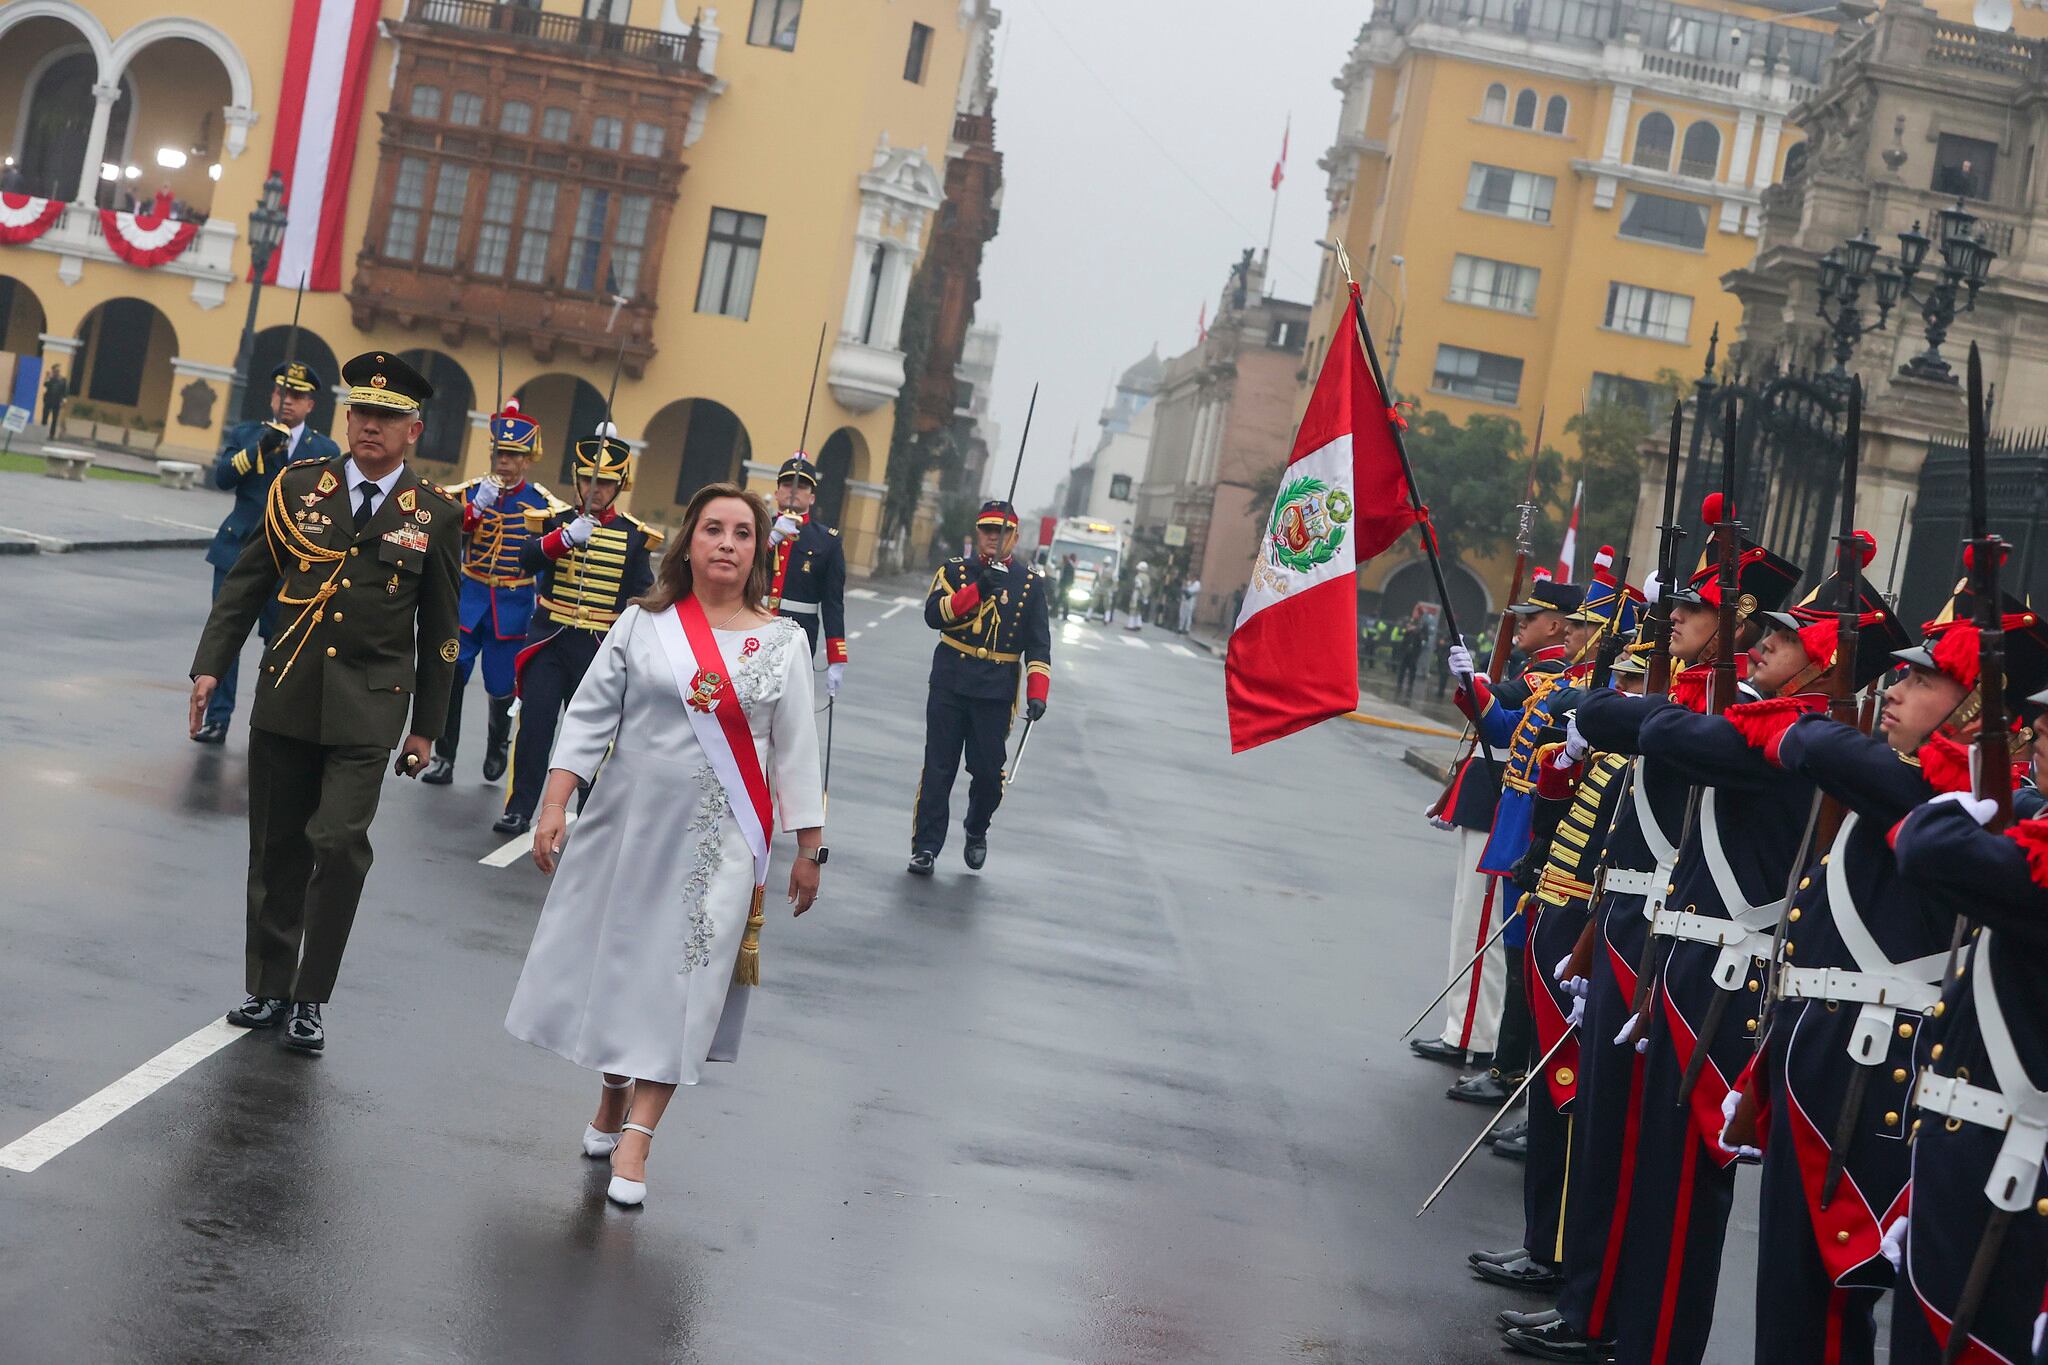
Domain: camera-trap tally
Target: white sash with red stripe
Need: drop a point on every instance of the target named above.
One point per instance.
(720, 722)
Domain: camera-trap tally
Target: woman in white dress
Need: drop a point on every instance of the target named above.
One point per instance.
(655, 909)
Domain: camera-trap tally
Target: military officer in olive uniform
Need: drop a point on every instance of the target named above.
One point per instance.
(810, 565)
(992, 616)
(592, 560)
(252, 454)
(361, 556)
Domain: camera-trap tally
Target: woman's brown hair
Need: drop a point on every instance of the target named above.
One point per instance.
(672, 581)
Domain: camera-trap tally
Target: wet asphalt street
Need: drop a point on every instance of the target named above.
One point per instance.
(1132, 1094)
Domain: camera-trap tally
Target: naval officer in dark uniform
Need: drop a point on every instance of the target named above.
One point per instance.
(992, 619)
(361, 557)
(252, 454)
(809, 576)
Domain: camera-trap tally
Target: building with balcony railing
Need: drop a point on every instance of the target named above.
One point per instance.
(546, 189)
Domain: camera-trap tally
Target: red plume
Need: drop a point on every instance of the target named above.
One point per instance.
(1969, 555)
(1866, 548)
(1710, 509)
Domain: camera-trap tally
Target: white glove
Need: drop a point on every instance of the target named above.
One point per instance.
(486, 496)
(1653, 589)
(1628, 1031)
(1578, 1014)
(1460, 660)
(1576, 745)
(1729, 1102)
(1980, 809)
(1438, 822)
(833, 674)
(1894, 1248)
(1557, 972)
(2040, 1325)
(578, 531)
(785, 526)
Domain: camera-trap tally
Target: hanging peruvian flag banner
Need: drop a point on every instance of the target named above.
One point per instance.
(148, 237)
(1293, 656)
(1568, 553)
(319, 118)
(23, 217)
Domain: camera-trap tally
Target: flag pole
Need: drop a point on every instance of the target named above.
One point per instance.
(1394, 423)
(1273, 218)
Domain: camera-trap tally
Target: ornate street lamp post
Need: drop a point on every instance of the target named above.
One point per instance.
(266, 229)
(1844, 272)
(1965, 262)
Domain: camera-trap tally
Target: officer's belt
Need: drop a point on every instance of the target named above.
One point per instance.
(1629, 881)
(975, 652)
(1741, 935)
(1562, 886)
(800, 608)
(2021, 1112)
(1882, 990)
(495, 580)
(1656, 883)
(586, 618)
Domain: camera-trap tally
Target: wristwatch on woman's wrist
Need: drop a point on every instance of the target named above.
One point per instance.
(817, 855)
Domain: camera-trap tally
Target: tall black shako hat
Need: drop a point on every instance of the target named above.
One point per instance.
(1763, 581)
(378, 379)
(798, 466)
(1816, 620)
(1547, 595)
(1950, 648)
(997, 513)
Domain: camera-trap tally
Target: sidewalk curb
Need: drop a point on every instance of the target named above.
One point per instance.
(1422, 762)
(56, 545)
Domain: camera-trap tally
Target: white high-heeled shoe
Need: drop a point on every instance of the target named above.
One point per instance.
(629, 1193)
(596, 1141)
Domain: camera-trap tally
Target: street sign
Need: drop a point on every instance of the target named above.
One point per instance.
(17, 419)
(1176, 535)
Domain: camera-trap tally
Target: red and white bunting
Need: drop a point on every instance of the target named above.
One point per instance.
(149, 237)
(23, 217)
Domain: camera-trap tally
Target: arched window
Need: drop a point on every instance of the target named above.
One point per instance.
(1525, 109)
(1653, 142)
(51, 145)
(1795, 160)
(1554, 113)
(1701, 154)
(1495, 110)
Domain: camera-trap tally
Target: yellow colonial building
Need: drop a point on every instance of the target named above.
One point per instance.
(688, 196)
(1542, 197)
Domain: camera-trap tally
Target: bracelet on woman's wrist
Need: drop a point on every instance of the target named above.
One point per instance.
(556, 805)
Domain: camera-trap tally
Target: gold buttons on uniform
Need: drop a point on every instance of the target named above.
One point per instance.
(1940, 1008)
(344, 582)
(1788, 949)
(1841, 1236)
(1891, 1118)
(1671, 888)
(1905, 1030)
(354, 550)
(1752, 985)
(1749, 1024)
(1824, 859)
(330, 651)
(1899, 1074)
(2041, 1207)
(1805, 882)
(1793, 914)
(305, 566)
(1934, 1053)
(337, 616)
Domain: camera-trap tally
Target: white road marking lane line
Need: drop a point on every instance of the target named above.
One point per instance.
(900, 605)
(910, 601)
(29, 1151)
(865, 594)
(873, 624)
(853, 635)
(1181, 650)
(1136, 643)
(518, 848)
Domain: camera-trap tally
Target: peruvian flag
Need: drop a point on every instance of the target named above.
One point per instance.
(319, 117)
(1293, 656)
(23, 218)
(1280, 166)
(1568, 553)
(148, 237)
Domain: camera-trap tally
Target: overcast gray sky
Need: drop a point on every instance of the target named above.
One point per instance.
(1138, 141)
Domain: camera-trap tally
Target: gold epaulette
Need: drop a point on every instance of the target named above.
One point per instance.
(309, 460)
(452, 499)
(554, 504)
(831, 530)
(654, 536)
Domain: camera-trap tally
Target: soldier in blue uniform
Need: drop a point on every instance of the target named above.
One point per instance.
(497, 587)
(992, 616)
(592, 560)
(251, 455)
(809, 580)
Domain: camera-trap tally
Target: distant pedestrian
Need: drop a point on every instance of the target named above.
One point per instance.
(1066, 583)
(1407, 660)
(697, 698)
(55, 391)
(1190, 595)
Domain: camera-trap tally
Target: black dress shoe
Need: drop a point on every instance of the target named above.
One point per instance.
(258, 1011)
(1488, 1087)
(1437, 1050)
(1522, 1274)
(1508, 1318)
(1514, 1148)
(302, 1032)
(495, 758)
(213, 732)
(920, 864)
(976, 853)
(511, 822)
(1495, 1257)
(440, 772)
(1557, 1340)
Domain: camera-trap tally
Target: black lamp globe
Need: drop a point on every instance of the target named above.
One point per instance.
(1862, 252)
(1830, 273)
(1913, 244)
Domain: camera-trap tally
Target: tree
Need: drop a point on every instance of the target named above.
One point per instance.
(1472, 477)
(1610, 464)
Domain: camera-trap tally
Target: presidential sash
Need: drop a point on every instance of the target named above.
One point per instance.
(705, 685)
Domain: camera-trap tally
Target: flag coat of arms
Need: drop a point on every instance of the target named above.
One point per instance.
(1293, 655)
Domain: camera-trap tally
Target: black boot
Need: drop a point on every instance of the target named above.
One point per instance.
(1437, 1050)
(440, 771)
(303, 1031)
(920, 864)
(512, 822)
(498, 739)
(258, 1011)
(976, 853)
(1522, 1274)
(1557, 1340)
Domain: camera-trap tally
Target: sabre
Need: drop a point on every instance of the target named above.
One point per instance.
(291, 350)
(618, 363)
(1010, 768)
(1539, 1069)
(1460, 975)
(1023, 441)
(830, 704)
(811, 394)
(501, 362)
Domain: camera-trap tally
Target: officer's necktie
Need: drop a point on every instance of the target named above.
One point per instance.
(364, 508)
